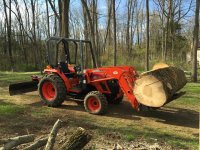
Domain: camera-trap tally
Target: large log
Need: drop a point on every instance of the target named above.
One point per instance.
(157, 87)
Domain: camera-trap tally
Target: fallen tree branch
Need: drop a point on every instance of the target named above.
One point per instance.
(37, 144)
(52, 135)
(77, 141)
(13, 142)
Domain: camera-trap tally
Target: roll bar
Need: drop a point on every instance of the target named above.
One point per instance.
(75, 41)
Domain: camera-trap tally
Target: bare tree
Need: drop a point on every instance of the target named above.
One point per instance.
(84, 4)
(196, 41)
(133, 27)
(108, 27)
(64, 15)
(114, 34)
(129, 10)
(163, 30)
(48, 28)
(8, 25)
(33, 32)
(137, 25)
(147, 44)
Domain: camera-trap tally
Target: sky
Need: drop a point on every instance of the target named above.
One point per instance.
(121, 7)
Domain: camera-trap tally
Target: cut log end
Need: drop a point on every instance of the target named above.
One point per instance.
(149, 92)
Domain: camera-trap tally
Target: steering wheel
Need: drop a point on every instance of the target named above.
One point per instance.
(77, 68)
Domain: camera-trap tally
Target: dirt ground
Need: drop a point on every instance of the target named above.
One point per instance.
(170, 127)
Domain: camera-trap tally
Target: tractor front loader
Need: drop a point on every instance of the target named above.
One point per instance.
(69, 76)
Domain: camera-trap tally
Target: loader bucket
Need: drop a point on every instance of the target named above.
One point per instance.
(24, 87)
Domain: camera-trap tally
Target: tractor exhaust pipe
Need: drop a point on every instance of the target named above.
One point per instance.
(23, 87)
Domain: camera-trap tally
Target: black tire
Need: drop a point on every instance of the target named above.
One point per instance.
(117, 101)
(58, 87)
(100, 99)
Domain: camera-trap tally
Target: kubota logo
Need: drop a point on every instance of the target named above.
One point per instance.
(115, 72)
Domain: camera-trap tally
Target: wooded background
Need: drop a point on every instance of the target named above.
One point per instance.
(123, 32)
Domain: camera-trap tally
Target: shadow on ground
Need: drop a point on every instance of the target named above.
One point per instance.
(167, 115)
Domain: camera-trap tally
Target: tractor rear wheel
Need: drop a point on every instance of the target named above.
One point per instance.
(95, 103)
(52, 90)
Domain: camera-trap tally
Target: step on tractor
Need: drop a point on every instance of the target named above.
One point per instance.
(72, 74)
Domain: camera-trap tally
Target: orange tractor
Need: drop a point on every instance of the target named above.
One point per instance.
(71, 78)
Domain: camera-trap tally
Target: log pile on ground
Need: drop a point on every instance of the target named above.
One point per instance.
(157, 87)
(77, 141)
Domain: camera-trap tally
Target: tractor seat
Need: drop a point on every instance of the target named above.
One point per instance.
(66, 70)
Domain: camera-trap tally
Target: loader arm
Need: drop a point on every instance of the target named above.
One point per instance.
(126, 77)
(126, 82)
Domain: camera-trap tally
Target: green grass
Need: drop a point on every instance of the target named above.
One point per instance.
(130, 137)
(191, 99)
(9, 109)
(7, 78)
(193, 88)
(39, 113)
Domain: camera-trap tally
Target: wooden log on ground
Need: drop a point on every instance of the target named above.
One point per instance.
(155, 88)
(77, 141)
(13, 142)
(52, 135)
(37, 144)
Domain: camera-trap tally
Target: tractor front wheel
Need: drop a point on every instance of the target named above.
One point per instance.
(95, 103)
(52, 90)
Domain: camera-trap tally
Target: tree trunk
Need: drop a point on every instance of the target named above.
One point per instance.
(108, 31)
(65, 18)
(196, 42)
(114, 32)
(86, 33)
(8, 24)
(156, 88)
(91, 31)
(133, 27)
(55, 21)
(34, 43)
(137, 25)
(147, 44)
(48, 28)
(128, 25)
(163, 30)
